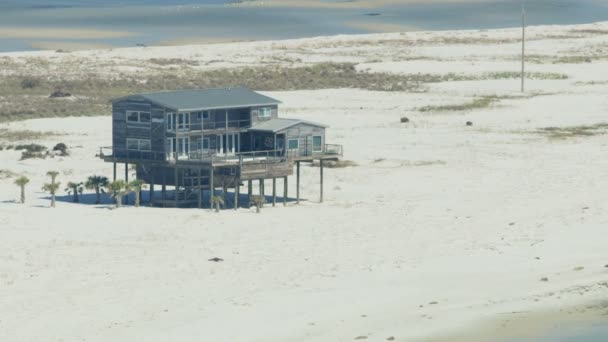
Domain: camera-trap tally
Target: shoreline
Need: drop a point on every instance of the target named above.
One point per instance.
(528, 324)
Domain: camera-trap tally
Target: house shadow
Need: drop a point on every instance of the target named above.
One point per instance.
(243, 200)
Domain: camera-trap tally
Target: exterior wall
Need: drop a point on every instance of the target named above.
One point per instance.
(255, 111)
(123, 130)
(303, 133)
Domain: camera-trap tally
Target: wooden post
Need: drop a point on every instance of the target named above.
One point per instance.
(298, 182)
(211, 187)
(114, 179)
(321, 172)
(249, 188)
(126, 197)
(274, 192)
(261, 187)
(151, 197)
(176, 187)
(163, 188)
(285, 191)
(237, 193)
(200, 189)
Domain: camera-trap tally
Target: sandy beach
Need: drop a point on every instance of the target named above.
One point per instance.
(442, 231)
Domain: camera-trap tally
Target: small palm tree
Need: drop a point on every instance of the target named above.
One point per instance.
(22, 182)
(136, 186)
(216, 202)
(97, 183)
(75, 189)
(117, 189)
(258, 202)
(53, 186)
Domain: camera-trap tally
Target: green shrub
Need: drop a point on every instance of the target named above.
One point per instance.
(30, 83)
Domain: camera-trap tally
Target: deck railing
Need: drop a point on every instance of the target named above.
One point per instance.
(213, 157)
(210, 125)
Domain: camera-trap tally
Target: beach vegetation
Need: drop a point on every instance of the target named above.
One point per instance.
(75, 189)
(21, 182)
(136, 186)
(97, 183)
(217, 202)
(258, 202)
(52, 187)
(117, 189)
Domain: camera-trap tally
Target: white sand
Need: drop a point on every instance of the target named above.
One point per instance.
(468, 217)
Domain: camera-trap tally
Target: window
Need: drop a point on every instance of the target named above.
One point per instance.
(293, 144)
(183, 121)
(265, 113)
(205, 145)
(138, 117)
(170, 121)
(205, 115)
(139, 144)
(317, 143)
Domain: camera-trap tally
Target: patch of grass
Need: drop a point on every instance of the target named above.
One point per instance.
(20, 135)
(482, 102)
(574, 131)
(501, 75)
(4, 174)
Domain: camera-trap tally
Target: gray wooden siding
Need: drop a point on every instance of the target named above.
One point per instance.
(254, 114)
(303, 133)
(123, 130)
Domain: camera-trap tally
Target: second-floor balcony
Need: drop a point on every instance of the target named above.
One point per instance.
(210, 125)
(116, 154)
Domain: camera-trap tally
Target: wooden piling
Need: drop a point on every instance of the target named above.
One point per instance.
(285, 191)
(176, 188)
(298, 182)
(163, 187)
(249, 188)
(321, 172)
(211, 187)
(237, 193)
(114, 179)
(274, 192)
(200, 189)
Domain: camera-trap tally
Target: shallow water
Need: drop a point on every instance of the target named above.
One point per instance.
(596, 332)
(161, 21)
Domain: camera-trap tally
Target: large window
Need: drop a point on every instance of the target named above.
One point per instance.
(265, 113)
(317, 143)
(170, 121)
(139, 144)
(293, 144)
(138, 117)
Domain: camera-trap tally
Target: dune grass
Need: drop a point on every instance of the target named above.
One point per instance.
(574, 131)
(478, 103)
(22, 135)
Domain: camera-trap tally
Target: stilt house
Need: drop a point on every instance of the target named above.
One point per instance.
(200, 140)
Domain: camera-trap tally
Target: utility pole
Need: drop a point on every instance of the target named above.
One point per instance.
(523, 45)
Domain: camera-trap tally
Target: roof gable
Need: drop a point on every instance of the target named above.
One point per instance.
(200, 99)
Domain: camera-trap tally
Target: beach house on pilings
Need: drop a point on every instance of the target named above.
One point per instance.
(198, 141)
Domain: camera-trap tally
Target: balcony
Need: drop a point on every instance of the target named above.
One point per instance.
(124, 155)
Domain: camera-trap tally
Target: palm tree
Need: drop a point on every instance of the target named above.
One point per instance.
(258, 202)
(117, 189)
(52, 187)
(76, 189)
(216, 202)
(97, 183)
(136, 186)
(22, 182)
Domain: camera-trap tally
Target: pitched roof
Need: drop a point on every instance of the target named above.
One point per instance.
(276, 125)
(200, 99)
